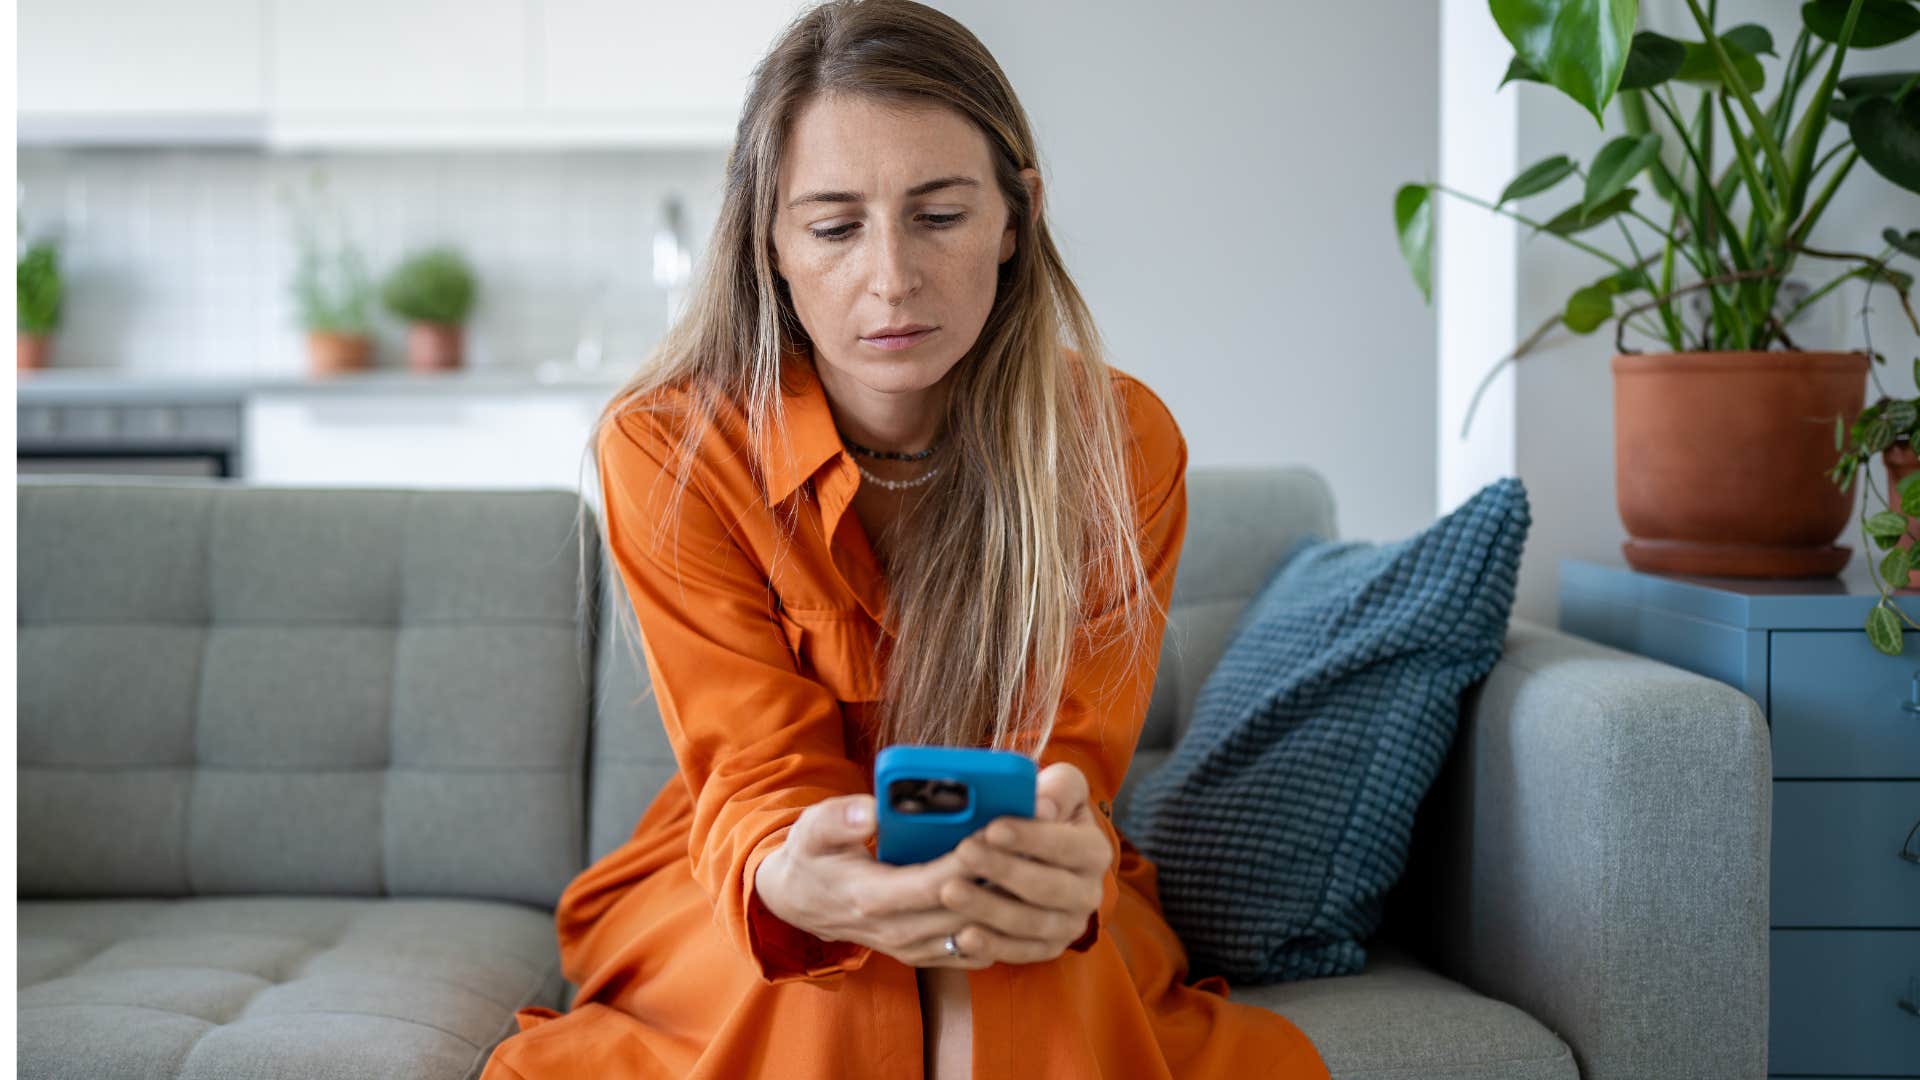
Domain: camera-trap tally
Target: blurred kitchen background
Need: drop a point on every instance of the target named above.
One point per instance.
(1220, 178)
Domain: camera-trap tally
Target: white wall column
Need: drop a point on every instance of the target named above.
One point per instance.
(1475, 258)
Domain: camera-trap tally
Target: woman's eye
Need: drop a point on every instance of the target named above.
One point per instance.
(841, 232)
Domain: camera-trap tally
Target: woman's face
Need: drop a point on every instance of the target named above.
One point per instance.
(890, 216)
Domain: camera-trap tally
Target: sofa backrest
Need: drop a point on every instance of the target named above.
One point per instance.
(227, 689)
(232, 688)
(1240, 521)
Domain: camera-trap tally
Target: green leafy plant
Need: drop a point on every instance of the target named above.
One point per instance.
(37, 281)
(435, 286)
(1733, 229)
(1878, 427)
(331, 285)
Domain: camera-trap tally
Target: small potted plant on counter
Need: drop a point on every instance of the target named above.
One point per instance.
(38, 287)
(335, 297)
(434, 291)
(331, 288)
(1721, 409)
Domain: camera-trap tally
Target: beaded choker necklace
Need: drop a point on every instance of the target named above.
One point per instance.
(894, 455)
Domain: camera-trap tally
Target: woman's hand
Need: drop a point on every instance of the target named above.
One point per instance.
(1046, 875)
(824, 880)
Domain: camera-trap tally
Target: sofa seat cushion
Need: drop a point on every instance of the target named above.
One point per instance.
(1398, 1019)
(229, 987)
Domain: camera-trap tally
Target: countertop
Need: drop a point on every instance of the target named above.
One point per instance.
(1836, 602)
(113, 386)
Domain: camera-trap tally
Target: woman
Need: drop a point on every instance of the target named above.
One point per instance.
(863, 495)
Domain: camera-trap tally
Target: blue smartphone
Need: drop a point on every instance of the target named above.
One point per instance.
(932, 797)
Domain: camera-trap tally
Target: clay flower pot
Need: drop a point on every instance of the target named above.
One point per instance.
(34, 349)
(1720, 460)
(434, 346)
(1900, 461)
(329, 353)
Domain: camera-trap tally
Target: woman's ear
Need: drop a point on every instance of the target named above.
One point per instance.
(1030, 177)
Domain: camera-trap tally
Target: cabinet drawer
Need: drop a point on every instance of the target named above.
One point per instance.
(1837, 706)
(1836, 853)
(1836, 1002)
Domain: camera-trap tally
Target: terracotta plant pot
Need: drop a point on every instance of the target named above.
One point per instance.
(1900, 461)
(329, 353)
(433, 346)
(35, 349)
(1720, 460)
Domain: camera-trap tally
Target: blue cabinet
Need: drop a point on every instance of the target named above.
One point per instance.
(1844, 986)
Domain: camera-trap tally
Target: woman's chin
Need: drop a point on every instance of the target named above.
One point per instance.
(898, 373)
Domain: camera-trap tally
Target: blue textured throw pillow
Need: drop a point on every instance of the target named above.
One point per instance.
(1283, 816)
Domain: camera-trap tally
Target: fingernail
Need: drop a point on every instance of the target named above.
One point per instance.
(857, 813)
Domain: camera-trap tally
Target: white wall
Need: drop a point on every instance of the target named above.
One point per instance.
(1474, 270)
(1222, 179)
(1565, 392)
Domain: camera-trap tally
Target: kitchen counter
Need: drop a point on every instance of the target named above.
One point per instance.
(118, 386)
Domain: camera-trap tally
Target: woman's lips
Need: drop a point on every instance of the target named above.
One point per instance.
(903, 341)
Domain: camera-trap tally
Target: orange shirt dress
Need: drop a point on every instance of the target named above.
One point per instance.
(763, 663)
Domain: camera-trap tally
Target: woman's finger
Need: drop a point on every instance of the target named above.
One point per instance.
(1062, 787)
(1006, 948)
(974, 951)
(1010, 916)
(1038, 883)
(904, 932)
(1081, 847)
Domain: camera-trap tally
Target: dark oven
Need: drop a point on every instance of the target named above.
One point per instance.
(148, 438)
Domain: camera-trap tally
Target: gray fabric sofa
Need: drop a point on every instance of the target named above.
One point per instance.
(302, 771)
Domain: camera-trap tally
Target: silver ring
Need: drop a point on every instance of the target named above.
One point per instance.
(953, 947)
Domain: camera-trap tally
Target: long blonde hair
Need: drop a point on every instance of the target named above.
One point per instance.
(1029, 533)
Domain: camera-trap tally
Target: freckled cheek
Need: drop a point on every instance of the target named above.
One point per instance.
(964, 270)
(835, 279)
(815, 280)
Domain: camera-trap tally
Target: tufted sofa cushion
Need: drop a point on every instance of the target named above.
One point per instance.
(232, 689)
(223, 988)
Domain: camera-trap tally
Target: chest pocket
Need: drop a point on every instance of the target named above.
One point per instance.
(836, 648)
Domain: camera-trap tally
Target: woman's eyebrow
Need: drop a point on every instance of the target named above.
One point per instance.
(855, 196)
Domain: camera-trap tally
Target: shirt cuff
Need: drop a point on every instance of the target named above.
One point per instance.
(1110, 884)
(783, 952)
(1092, 935)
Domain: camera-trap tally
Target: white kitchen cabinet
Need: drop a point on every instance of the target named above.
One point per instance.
(393, 74)
(399, 62)
(406, 439)
(653, 59)
(92, 58)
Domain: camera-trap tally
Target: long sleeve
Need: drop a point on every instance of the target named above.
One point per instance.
(1108, 688)
(757, 742)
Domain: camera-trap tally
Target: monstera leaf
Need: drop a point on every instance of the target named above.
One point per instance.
(1578, 46)
(1887, 134)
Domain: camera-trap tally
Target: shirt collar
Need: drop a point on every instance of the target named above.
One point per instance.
(811, 438)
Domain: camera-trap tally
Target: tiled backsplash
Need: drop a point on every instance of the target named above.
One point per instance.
(180, 260)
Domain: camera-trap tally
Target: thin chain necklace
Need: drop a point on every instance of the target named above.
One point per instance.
(894, 455)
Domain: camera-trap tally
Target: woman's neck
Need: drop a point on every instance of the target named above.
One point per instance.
(903, 423)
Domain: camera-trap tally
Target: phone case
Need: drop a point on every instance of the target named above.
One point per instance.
(999, 783)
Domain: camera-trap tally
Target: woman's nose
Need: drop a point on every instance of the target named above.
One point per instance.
(895, 271)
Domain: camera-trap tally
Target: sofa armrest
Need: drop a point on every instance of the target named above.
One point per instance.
(1596, 852)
